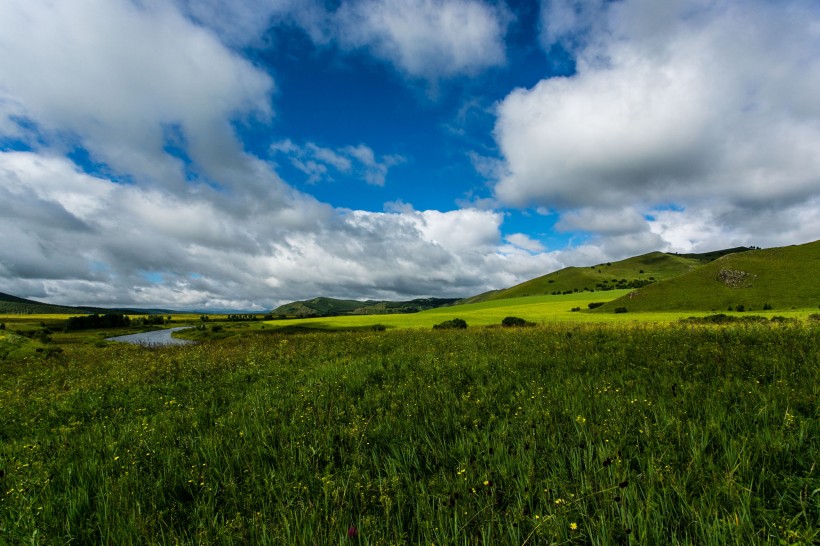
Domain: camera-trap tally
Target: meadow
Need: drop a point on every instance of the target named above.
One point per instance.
(562, 433)
(541, 310)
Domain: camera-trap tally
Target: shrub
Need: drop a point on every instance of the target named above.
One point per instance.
(740, 308)
(515, 321)
(767, 306)
(718, 319)
(620, 309)
(378, 327)
(595, 304)
(216, 328)
(778, 318)
(454, 324)
(814, 316)
(574, 309)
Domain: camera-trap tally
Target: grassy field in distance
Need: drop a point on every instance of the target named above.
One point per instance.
(538, 309)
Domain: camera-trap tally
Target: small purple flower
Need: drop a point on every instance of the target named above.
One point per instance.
(352, 532)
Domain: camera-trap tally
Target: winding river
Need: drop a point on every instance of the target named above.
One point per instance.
(157, 338)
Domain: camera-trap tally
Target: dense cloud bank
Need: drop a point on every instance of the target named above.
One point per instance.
(94, 241)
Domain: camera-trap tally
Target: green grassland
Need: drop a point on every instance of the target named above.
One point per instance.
(564, 433)
(589, 427)
(780, 278)
(637, 270)
(538, 309)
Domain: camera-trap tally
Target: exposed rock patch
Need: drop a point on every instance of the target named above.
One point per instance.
(735, 278)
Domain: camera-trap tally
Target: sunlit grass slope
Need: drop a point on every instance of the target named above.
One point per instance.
(538, 309)
(782, 278)
(640, 269)
(567, 434)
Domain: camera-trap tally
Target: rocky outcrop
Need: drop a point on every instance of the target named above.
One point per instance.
(735, 278)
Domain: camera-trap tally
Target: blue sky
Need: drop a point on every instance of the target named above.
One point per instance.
(222, 154)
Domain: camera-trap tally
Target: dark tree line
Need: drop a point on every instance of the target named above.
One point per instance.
(88, 322)
(111, 320)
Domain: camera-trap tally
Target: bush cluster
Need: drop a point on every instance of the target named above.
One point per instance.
(455, 324)
(515, 321)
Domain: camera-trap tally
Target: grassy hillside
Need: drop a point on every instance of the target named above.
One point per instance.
(318, 307)
(13, 305)
(630, 273)
(780, 278)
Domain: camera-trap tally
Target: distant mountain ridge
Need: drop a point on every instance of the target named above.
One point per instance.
(14, 305)
(318, 307)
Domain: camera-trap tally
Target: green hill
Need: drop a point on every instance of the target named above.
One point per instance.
(13, 305)
(776, 278)
(633, 272)
(320, 307)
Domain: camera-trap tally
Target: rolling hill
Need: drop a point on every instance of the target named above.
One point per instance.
(774, 278)
(13, 305)
(632, 272)
(319, 307)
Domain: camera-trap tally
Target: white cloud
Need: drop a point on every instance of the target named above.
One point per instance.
(603, 221)
(572, 23)
(525, 242)
(113, 76)
(724, 226)
(427, 39)
(430, 39)
(697, 104)
(319, 162)
(77, 239)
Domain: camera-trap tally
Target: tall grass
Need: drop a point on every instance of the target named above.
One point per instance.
(562, 434)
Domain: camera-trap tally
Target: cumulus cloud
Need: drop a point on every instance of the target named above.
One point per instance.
(427, 39)
(430, 39)
(695, 104)
(319, 163)
(114, 76)
(113, 244)
(523, 241)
